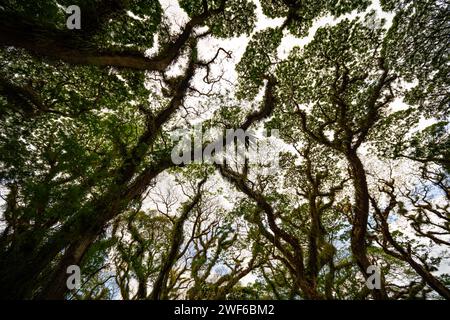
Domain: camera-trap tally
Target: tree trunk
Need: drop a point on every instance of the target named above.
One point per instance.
(56, 287)
(360, 219)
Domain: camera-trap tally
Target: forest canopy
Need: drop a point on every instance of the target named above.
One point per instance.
(347, 102)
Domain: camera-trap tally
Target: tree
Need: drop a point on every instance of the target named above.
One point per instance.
(87, 117)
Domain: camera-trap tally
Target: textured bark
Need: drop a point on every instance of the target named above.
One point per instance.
(360, 219)
(56, 288)
(89, 223)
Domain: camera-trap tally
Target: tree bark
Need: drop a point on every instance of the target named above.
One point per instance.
(176, 242)
(56, 288)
